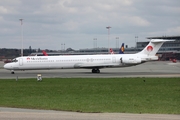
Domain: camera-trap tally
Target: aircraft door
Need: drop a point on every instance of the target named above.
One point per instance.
(114, 59)
(20, 61)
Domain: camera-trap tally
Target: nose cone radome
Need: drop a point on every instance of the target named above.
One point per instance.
(7, 66)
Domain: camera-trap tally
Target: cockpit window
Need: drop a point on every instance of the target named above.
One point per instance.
(14, 60)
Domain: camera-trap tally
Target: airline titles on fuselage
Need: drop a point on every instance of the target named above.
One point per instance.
(39, 58)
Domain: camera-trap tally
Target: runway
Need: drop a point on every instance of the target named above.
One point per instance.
(149, 69)
(26, 114)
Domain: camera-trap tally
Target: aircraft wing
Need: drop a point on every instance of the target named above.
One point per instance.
(104, 65)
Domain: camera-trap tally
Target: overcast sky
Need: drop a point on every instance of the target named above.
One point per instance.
(76, 23)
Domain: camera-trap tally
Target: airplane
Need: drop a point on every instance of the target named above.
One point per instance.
(94, 62)
(44, 53)
(111, 51)
(121, 50)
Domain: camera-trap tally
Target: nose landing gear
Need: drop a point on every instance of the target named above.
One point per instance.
(12, 71)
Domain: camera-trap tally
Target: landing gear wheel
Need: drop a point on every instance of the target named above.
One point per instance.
(98, 71)
(12, 72)
(95, 70)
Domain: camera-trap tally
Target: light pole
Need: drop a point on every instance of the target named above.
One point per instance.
(136, 40)
(108, 35)
(21, 36)
(64, 46)
(95, 44)
(117, 42)
(61, 47)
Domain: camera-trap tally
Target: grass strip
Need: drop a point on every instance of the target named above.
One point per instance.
(114, 95)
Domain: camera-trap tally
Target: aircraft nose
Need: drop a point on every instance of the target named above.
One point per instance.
(7, 66)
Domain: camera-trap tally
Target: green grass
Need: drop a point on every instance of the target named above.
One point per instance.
(121, 95)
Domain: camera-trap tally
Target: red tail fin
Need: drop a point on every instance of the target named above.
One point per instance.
(111, 51)
(44, 53)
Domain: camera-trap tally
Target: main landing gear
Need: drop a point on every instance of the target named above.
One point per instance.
(95, 70)
(12, 71)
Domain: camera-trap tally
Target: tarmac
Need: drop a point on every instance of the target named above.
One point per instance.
(26, 114)
(149, 69)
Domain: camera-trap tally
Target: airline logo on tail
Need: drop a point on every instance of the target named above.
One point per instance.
(149, 48)
(121, 50)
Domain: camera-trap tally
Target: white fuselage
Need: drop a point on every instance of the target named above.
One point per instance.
(73, 61)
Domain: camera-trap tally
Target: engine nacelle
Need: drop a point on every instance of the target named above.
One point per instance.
(130, 60)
